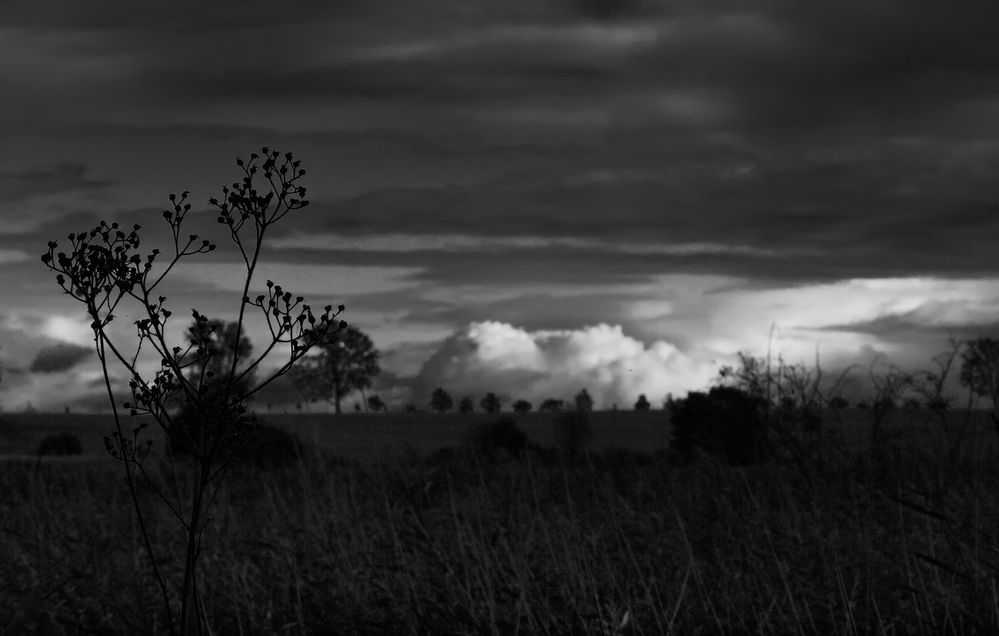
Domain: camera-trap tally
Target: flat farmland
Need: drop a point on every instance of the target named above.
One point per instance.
(355, 436)
(374, 437)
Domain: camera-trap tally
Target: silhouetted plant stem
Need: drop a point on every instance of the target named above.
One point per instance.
(104, 267)
(130, 481)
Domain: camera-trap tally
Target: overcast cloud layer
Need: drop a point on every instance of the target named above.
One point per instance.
(684, 174)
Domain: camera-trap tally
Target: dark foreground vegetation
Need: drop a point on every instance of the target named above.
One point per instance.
(832, 533)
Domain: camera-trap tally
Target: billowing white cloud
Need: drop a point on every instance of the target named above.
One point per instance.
(613, 367)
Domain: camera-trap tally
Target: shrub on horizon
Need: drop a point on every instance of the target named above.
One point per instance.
(490, 403)
(441, 401)
(522, 406)
(839, 403)
(726, 422)
(376, 404)
(60, 444)
(551, 405)
(268, 447)
(501, 435)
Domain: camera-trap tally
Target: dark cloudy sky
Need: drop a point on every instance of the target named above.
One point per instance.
(526, 195)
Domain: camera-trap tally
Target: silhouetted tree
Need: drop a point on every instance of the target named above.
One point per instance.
(584, 402)
(551, 405)
(490, 403)
(522, 406)
(213, 347)
(642, 404)
(440, 401)
(839, 403)
(216, 343)
(466, 405)
(411, 408)
(376, 404)
(911, 404)
(347, 361)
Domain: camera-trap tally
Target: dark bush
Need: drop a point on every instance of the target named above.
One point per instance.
(61, 444)
(267, 446)
(466, 405)
(194, 426)
(573, 432)
(725, 422)
(247, 440)
(503, 435)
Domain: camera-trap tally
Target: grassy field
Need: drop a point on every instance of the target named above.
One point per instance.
(354, 436)
(371, 437)
(834, 535)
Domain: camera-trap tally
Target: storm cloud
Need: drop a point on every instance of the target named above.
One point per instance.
(59, 357)
(543, 165)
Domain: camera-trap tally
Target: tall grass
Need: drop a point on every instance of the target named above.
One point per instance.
(896, 539)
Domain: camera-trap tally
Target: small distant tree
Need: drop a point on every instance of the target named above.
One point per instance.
(642, 404)
(551, 405)
(911, 404)
(376, 405)
(440, 401)
(839, 403)
(347, 361)
(522, 406)
(466, 405)
(584, 402)
(490, 403)
(411, 408)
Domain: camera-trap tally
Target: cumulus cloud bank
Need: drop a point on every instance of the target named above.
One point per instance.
(613, 367)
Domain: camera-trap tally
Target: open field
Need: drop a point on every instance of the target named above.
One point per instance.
(369, 437)
(831, 537)
(355, 436)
